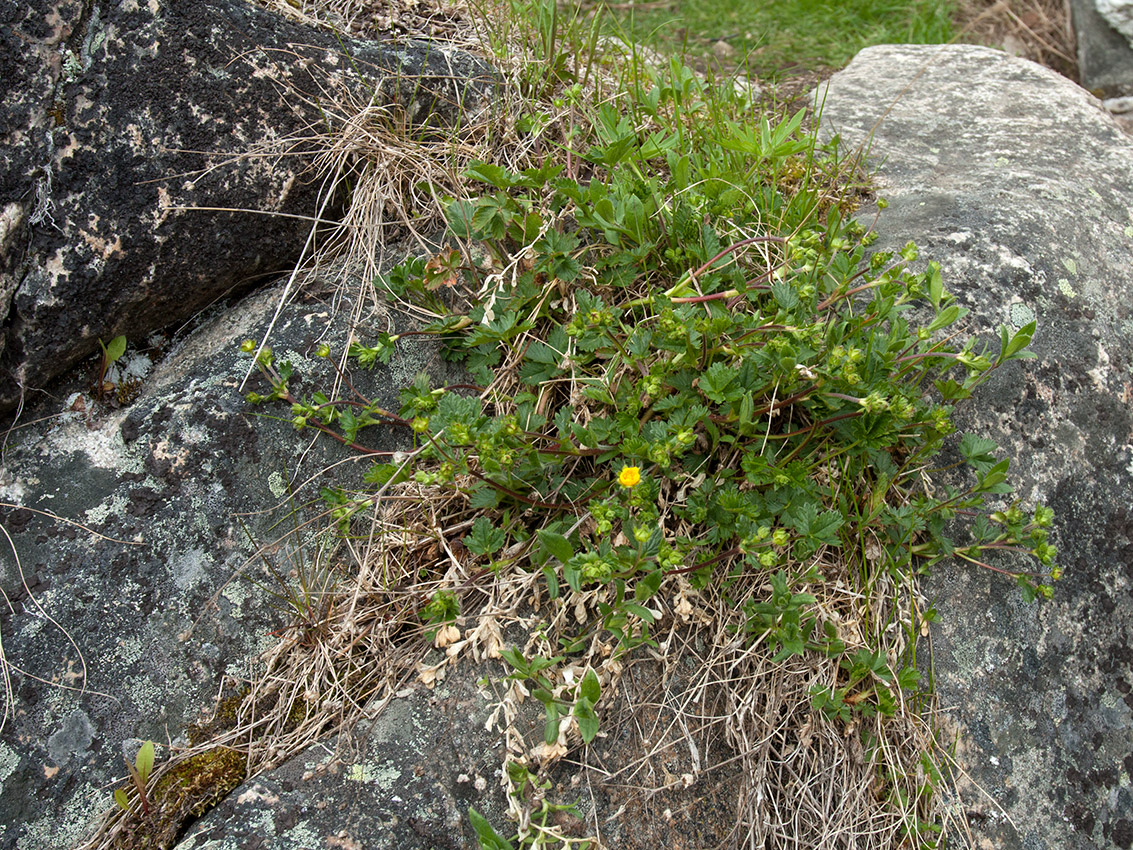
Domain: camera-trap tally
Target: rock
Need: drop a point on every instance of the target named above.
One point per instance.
(405, 780)
(1105, 56)
(130, 636)
(159, 157)
(1118, 14)
(1018, 183)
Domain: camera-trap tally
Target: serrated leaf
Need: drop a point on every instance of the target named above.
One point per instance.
(485, 538)
(491, 174)
(951, 390)
(484, 497)
(717, 383)
(978, 451)
(825, 527)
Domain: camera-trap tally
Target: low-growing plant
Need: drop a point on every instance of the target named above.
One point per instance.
(688, 363)
(139, 774)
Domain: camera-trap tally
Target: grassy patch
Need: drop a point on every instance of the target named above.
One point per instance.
(808, 34)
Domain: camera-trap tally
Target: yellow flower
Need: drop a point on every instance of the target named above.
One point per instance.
(630, 476)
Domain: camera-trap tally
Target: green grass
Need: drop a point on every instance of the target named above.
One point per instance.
(807, 34)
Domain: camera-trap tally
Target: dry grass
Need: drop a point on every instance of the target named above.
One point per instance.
(1039, 30)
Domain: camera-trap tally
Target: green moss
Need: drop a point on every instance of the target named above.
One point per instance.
(188, 790)
(201, 781)
(223, 719)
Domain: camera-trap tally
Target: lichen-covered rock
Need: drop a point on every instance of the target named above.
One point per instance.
(1022, 187)
(129, 637)
(1105, 56)
(158, 157)
(405, 779)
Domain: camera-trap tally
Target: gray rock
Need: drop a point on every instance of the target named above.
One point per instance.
(129, 128)
(127, 639)
(405, 780)
(1119, 15)
(1022, 187)
(1105, 56)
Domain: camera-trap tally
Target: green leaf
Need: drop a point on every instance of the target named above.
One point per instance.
(551, 729)
(718, 383)
(556, 545)
(121, 799)
(639, 610)
(825, 527)
(487, 837)
(485, 538)
(115, 349)
(590, 688)
(978, 452)
(587, 719)
(484, 497)
(552, 580)
(144, 761)
(1012, 349)
(951, 390)
(648, 586)
(947, 316)
(491, 174)
(935, 284)
(515, 658)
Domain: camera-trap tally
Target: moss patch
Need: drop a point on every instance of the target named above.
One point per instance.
(185, 791)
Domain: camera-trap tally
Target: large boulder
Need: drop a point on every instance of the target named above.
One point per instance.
(1019, 183)
(124, 628)
(160, 156)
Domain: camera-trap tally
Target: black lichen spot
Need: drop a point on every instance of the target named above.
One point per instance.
(1122, 834)
(1081, 817)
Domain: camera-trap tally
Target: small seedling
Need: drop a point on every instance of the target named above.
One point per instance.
(111, 353)
(140, 769)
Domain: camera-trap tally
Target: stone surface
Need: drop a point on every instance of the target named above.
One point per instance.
(149, 148)
(405, 780)
(130, 640)
(1105, 56)
(1022, 187)
(1118, 14)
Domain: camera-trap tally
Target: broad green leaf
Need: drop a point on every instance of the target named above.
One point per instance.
(121, 799)
(115, 349)
(587, 719)
(646, 587)
(144, 761)
(590, 688)
(639, 611)
(557, 545)
(947, 316)
(487, 837)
